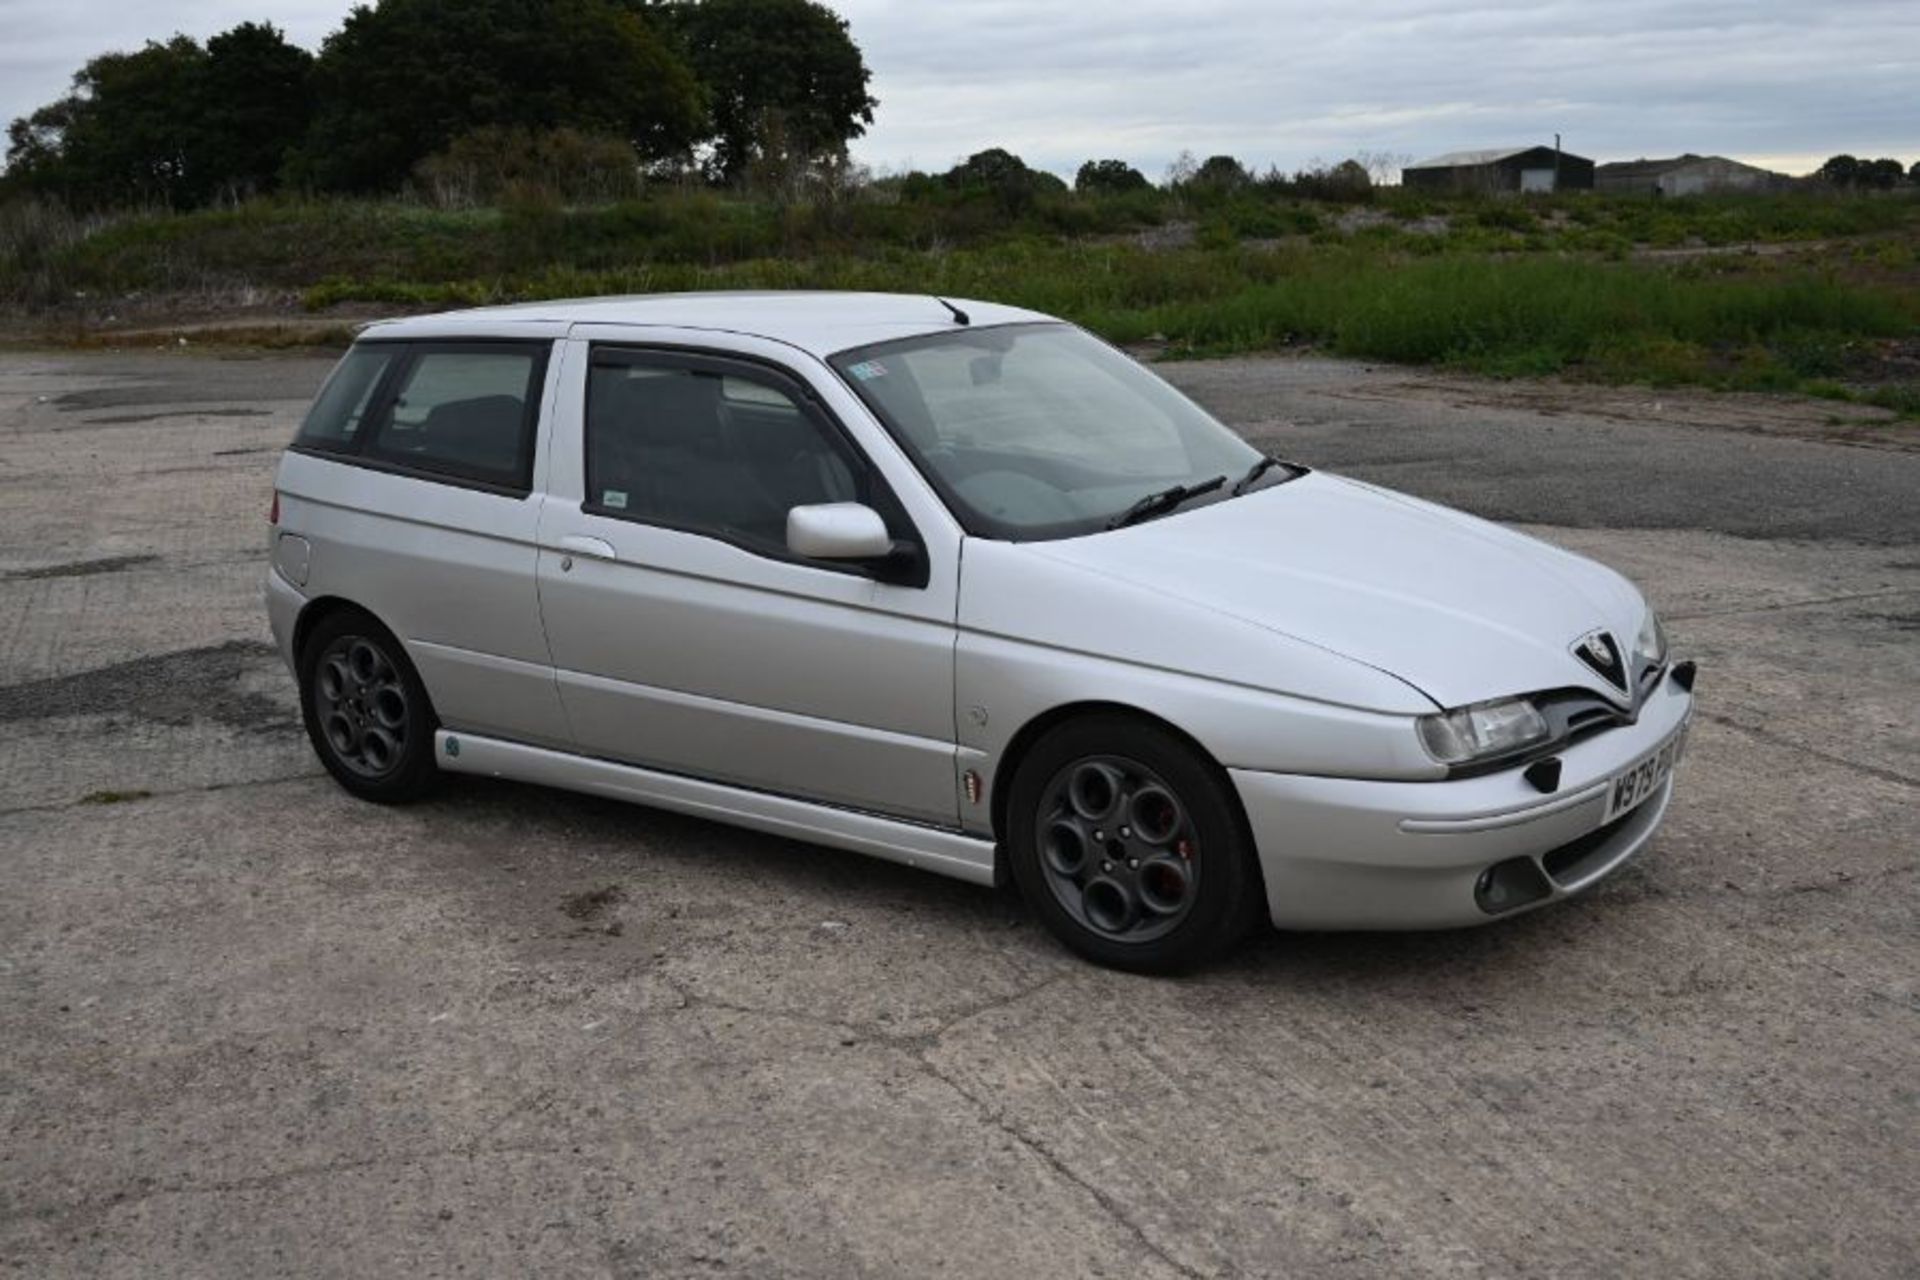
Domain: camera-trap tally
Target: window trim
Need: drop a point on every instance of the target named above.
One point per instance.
(359, 451)
(914, 572)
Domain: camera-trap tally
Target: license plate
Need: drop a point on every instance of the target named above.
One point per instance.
(1632, 787)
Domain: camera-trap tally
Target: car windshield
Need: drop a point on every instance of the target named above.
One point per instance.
(1042, 431)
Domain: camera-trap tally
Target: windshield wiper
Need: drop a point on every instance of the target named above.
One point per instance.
(1158, 504)
(1254, 472)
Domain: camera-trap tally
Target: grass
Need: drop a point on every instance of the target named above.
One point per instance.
(1572, 285)
(1767, 327)
(114, 797)
(1901, 398)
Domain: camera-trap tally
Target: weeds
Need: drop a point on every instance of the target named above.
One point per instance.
(115, 797)
(1504, 287)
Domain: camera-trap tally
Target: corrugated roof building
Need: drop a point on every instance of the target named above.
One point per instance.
(1538, 168)
(1687, 175)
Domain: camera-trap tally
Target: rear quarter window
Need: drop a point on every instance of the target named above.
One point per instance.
(458, 412)
(334, 421)
(465, 413)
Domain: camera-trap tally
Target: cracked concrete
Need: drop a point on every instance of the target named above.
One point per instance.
(80, 568)
(250, 1027)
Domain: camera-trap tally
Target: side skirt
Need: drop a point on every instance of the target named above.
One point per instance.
(929, 848)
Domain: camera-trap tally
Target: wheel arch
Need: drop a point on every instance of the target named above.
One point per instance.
(414, 771)
(320, 608)
(1014, 755)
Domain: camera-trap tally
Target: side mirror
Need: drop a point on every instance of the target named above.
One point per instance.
(838, 531)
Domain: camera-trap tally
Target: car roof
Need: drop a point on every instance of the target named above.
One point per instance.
(818, 322)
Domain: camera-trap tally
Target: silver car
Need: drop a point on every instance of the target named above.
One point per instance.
(960, 586)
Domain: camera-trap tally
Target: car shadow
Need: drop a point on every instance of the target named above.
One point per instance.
(702, 856)
(582, 844)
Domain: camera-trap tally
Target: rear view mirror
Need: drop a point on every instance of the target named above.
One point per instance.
(838, 531)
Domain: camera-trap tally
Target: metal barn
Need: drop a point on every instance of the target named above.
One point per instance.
(1539, 168)
(1687, 175)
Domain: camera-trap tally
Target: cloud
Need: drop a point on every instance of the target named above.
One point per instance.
(1283, 83)
(43, 42)
(1059, 81)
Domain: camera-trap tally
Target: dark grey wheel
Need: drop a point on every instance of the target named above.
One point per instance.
(1129, 844)
(1120, 854)
(365, 708)
(361, 704)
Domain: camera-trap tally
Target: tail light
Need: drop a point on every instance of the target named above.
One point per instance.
(273, 512)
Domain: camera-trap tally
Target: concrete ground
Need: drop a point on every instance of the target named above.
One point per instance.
(250, 1027)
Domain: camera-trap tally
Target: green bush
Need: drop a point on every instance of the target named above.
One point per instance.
(1506, 215)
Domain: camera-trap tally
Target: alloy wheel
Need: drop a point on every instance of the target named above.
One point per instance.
(1118, 848)
(362, 706)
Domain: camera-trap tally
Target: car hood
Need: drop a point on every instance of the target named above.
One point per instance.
(1460, 608)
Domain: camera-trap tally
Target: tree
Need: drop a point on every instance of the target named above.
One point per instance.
(36, 148)
(786, 85)
(121, 136)
(254, 102)
(1913, 173)
(1841, 171)
(173, 123)
(1221, 173)
(998, 174)
(1348, 180)
(1850, 171)
(1109, 176)
(1882, 175)
(1383, 167)
(401, 80)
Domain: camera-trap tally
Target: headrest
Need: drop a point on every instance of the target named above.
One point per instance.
(675, 410)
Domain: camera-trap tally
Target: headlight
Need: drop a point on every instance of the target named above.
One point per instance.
(1650, 648)
(1482, 731)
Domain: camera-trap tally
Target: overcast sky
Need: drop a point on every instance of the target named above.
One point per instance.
(1058, 81)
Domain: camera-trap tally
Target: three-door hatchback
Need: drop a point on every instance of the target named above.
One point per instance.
(960, 586)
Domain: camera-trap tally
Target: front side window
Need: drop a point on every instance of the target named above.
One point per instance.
(1040, 430)
(464, 411)
(712, 451)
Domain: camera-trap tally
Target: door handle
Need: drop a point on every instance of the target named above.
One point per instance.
(579, 544)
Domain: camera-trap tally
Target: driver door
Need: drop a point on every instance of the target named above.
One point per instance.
(687, 638)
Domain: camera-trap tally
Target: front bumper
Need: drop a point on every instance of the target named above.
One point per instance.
(1345, 853)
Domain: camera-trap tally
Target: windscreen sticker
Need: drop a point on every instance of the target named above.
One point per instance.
(867, 370)
(615, 498)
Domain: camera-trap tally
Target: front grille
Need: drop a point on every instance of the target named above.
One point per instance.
(1558, 862)
(1590, 717)
(1575, 713)
(1571, 714)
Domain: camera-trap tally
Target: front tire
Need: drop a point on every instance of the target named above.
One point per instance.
(1130, 846)
(366, 712)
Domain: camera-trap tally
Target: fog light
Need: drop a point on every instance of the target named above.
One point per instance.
(1510, 884)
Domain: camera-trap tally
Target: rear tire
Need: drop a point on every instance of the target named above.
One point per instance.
(366, 712)
(1130, 846)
